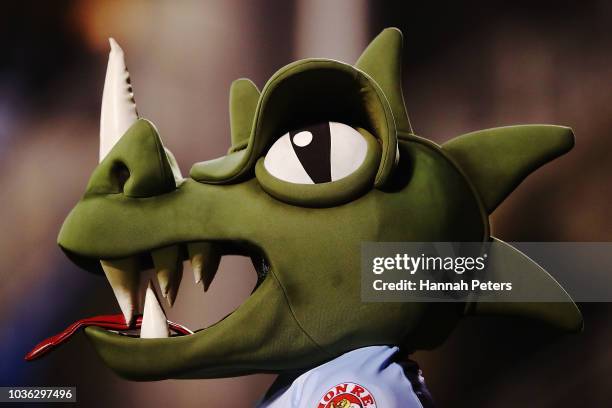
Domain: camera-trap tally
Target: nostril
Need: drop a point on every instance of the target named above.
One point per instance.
(137, 166)
(120, 174)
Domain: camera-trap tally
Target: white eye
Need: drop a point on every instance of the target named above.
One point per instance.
(316, 154)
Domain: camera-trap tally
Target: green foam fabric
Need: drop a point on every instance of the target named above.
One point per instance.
(530, 281)
(305, 92)
(141, 152)
(497, 160)
(388, 47)
(244, 96)
(307, 308)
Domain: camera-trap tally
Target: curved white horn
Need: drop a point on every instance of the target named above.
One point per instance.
(118, 105)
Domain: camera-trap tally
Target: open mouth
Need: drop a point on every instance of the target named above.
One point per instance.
(133, 282)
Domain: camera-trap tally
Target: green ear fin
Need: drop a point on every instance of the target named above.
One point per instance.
(244, 96)
(382, 60)
(508, 264)
(497, 160)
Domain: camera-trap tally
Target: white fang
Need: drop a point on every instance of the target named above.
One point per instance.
(123, 277)
(154, 322)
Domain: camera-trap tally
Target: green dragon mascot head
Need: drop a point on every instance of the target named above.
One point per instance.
(322, 159)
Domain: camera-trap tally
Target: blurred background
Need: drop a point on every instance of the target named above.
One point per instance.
(467, 66)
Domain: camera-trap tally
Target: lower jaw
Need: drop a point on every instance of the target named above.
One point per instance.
(181, 357)
(175, 357)
(139, 359)
(239, 344)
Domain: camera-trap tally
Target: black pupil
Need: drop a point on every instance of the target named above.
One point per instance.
(315, 156)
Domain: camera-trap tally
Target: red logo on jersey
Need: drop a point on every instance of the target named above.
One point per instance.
(347, 395)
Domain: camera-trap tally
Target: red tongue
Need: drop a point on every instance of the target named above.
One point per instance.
(113, 322)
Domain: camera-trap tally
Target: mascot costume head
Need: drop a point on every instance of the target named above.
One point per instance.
(322, 159)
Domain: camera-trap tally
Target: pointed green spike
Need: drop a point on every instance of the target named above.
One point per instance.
(497, 160)
(508, 264)
(244, 96)
(382, 60)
